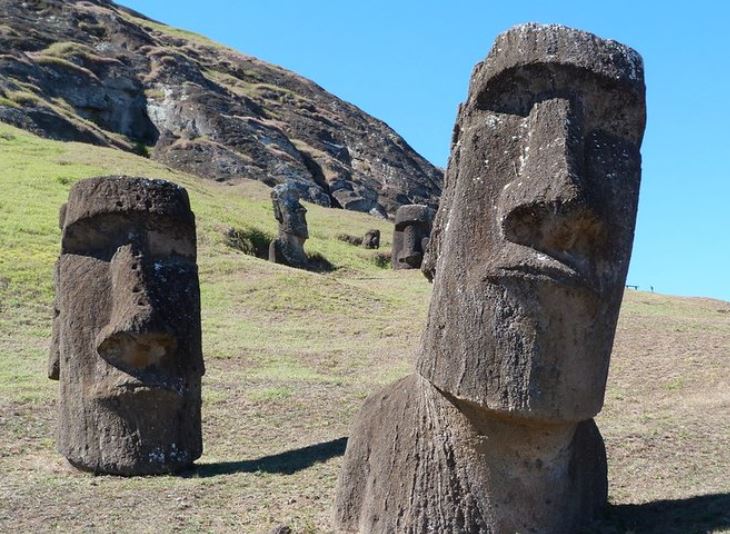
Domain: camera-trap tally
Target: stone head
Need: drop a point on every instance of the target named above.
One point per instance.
(412, 230)
(127, 333)
(536, 225)
(289, 211)
(371, 239)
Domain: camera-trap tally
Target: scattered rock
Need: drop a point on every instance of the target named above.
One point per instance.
(351, 239)
(371, 239)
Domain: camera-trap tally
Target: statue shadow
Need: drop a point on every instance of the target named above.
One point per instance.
(700, 514)
(317, 263)
(285, 463)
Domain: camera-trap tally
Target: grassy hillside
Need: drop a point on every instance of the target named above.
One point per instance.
(291, 355)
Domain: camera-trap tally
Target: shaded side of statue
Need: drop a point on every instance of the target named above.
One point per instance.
(529, 254)
(126, 344)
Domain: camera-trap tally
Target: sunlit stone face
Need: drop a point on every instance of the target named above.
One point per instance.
(128, 328)
(538, 229)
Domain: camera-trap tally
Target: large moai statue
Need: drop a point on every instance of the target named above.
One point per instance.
(410, 236)
(126, 343)
(288, 248)
(495, 432)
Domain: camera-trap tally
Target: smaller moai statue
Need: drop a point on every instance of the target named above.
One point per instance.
(288, 248)
(126, 340)
(371, 239)
(411, 234)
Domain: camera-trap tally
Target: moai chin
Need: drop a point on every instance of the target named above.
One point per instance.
(530, 249)
(410, 236)
(126, 344)
(288, 248)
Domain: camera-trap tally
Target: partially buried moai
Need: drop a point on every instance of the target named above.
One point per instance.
(126, 335)
(494, 432)
(410, 236)
(288, 248)
(371, 239)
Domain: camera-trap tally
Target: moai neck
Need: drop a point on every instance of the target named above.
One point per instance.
(529, 472)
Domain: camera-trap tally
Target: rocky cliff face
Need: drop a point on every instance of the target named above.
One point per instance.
(93, 71)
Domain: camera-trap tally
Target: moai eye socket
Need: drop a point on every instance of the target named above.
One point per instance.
(98, 236)
(156, 236)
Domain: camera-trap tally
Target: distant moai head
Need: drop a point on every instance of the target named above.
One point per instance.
(288, 248)
(410, 237)
(371, 239)
(289, 211)
(127, 337)
(536, 224)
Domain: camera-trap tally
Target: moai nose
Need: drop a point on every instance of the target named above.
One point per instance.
(548, 205)
(136, 336)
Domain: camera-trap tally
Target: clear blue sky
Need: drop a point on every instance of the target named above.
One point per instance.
(408, 63)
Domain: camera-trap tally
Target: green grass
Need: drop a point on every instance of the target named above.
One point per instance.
(60, 62)
(169, 31)
(36, 176)
(67, 49)
(290, 355)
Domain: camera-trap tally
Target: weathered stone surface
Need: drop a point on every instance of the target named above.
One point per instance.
(351, 239)
(126, 343)
(100, 73)
(288, 248)
(529, 255)
(411, 235)
(371, 239)
(418, 460)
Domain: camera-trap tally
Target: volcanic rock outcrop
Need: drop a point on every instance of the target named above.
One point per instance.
(288, 248)
(494, 433)
(126, 341)
(411, 235)
(93, 71)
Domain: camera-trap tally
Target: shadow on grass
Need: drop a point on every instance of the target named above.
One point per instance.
(701, 514)
(319, 264)
(285, 463)
(250, 241)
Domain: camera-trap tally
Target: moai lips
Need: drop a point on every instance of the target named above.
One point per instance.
(127, 339)
(528, 255)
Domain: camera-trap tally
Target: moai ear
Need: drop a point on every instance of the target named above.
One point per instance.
(62, 216)
(54, 354)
